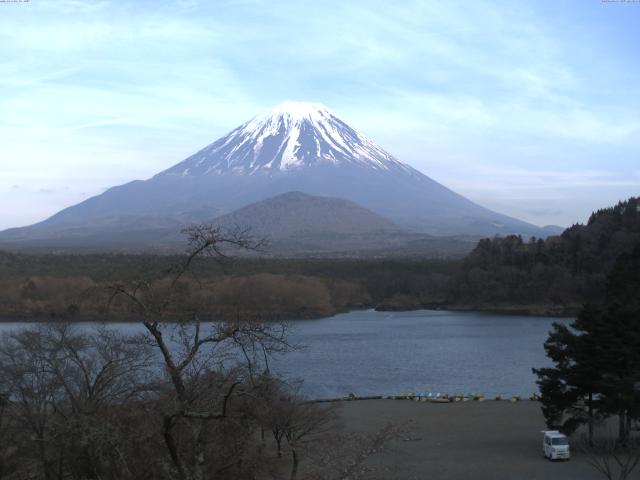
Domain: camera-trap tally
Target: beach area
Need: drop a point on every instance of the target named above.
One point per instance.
(489, 440)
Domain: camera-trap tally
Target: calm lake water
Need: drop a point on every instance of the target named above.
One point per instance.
(369, 352)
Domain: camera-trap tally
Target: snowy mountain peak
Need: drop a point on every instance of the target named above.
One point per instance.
(298, 111)
(291, 136)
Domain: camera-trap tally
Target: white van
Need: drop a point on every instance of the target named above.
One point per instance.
(555, 445)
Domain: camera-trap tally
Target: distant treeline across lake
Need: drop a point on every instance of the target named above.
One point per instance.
(552, 276)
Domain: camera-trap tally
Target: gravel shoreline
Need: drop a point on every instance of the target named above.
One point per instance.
(490, 440)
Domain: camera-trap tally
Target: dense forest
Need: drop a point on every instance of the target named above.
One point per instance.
(561, 272)
(551, 276)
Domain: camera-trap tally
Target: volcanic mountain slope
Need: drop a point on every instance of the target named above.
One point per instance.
(297, 224)
(295, 147)
(293, 224)
(295, 214)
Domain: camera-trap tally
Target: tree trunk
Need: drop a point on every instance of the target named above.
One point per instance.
(171, 446)
(623, 434)
(294, 464)
(590, 419)
(42, 450)
(198, 436)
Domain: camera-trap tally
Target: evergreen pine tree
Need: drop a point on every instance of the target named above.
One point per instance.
(596, 370)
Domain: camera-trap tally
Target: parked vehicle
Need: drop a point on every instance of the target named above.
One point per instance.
(555, 445)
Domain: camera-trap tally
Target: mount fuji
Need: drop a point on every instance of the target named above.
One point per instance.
(297, 146)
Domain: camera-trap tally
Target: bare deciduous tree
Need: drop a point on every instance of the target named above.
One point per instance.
(613, 460)
(181, 399)
(208, 365)
(61, 389)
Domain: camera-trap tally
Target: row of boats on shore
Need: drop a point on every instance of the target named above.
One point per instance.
(457, 397)
(435, 398)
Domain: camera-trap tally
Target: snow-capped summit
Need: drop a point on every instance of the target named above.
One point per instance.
(291, 136)
(297, 111)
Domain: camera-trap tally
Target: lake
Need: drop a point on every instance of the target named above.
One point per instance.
(384, 353)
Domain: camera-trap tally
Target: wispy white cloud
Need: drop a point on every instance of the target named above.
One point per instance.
(518, 178)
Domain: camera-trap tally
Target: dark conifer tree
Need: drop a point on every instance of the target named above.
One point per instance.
(596, 369)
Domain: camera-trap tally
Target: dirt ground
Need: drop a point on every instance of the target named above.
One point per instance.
(491, 440)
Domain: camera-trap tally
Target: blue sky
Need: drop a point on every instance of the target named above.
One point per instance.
(529, 108)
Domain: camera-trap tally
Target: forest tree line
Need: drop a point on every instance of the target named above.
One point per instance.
(547, 276)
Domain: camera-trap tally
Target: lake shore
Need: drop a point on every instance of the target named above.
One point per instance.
(490, 440)
(564, 311)
(559, 311)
